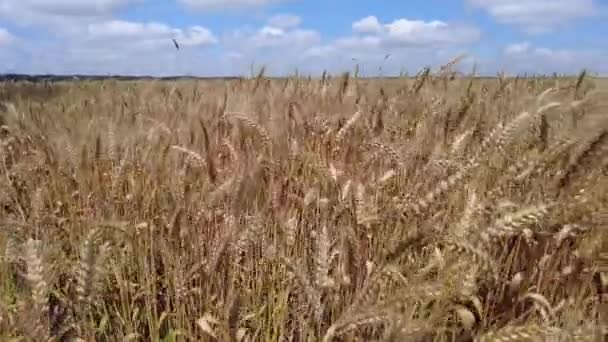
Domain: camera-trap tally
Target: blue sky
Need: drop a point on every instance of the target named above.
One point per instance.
(227, 37)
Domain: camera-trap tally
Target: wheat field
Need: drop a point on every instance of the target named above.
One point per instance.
(431, 208)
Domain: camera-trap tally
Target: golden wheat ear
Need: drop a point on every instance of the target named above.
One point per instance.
(91, 268)
(39, 288)
(530, 332)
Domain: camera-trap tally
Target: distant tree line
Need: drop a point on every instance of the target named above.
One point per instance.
(59, 78)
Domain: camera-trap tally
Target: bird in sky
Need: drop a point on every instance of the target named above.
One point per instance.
(176, 44)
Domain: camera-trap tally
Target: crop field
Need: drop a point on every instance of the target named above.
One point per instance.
(430, 208)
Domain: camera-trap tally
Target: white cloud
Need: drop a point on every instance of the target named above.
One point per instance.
(89, 39)
(6, 38)
(343, 54)
(320, 51)
(285, 21)
(226, 4)
(102, 45)
(75, 7)
(524, 57)
(196, 36)
(82, 37)
(10, 53)
(356, 43)
(367, 25)
(116, 29)
(517, 48)
(416, 42)
(282, 50)
(270, 33)
(146, 35)
(421, 33)
(536, 16)
(411, 43)
(403, 33)
(272, 37)
(60, 15)
(61, 57)
(62, 8)
(120, 47)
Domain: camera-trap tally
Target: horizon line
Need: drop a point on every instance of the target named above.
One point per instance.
(78, 76)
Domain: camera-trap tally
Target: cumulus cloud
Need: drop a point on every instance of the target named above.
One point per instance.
(6, 38)
(272, 37)
(63, 57)
(406, 33)
(83, 37)
(525, 57)
(137, 47)
(146, 35)
(517, 48)
(10, 54)
(371, 59)
(539, 15)
(86, 37)
(31, 10)
(60, 15)
(67, 7)
(360, 42)
(420, 43)
(226, 4)
(433, 33)
(121, 47)
(367, 25)
(285, 21)
(281, 49)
